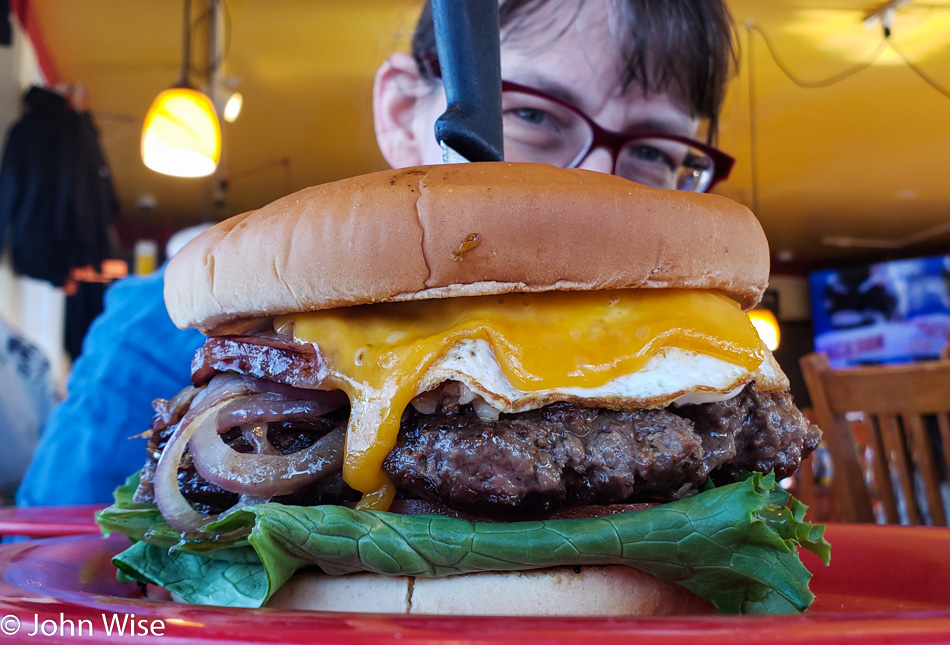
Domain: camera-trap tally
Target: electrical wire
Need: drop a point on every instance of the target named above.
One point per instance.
(845, 74)
(186, 44)
(817, 84)
(225, 50)
(753, 129)
(926, 77)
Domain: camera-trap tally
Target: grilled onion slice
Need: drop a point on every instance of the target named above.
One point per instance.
(256, 477)
(262, 474)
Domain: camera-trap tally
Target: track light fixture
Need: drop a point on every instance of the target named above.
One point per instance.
(884, 16)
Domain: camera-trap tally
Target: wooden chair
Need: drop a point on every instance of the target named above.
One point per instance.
(879, 423)
(811, 483)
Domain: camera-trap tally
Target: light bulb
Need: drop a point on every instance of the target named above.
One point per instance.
(766, 325)
(232, 109)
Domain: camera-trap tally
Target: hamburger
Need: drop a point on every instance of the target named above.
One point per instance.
(486, 388)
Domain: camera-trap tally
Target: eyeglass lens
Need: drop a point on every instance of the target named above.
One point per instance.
(540, 130)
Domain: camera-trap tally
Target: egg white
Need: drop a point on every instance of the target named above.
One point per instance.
(672, 377)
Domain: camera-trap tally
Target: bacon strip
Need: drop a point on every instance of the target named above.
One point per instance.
(273, 358)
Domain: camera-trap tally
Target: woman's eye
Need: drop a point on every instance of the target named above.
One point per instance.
(650, 154)
(533, 116)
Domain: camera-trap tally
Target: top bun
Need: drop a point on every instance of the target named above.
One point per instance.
(468, 229)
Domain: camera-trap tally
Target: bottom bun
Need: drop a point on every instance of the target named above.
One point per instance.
(560, 591)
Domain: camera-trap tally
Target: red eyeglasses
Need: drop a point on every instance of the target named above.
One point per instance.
(542, 128)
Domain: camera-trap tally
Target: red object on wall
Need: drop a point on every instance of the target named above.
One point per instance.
(25, 14)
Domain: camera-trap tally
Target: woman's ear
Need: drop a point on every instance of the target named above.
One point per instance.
(399, 96)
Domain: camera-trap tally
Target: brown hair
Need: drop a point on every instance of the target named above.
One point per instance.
(687, 42)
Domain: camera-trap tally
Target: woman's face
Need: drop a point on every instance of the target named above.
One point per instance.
(571, 54)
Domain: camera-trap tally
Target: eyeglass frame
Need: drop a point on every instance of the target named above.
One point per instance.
(601, 137)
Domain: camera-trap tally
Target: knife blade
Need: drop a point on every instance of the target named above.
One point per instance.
(467, 43)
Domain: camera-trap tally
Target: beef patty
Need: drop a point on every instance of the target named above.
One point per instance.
(567, 454)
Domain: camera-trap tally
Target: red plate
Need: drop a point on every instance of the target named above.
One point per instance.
(885, 585)
(50, 521)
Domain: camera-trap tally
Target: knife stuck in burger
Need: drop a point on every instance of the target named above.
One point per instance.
(531, 386)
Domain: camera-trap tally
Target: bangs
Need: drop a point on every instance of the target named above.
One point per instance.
(683, 43)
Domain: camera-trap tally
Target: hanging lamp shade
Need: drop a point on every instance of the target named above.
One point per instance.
(182, 136)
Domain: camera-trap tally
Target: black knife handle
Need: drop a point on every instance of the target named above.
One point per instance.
(467, 42)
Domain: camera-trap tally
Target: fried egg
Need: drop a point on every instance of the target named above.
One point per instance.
(673, 376)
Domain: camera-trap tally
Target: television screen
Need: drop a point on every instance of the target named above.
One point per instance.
(889, 312)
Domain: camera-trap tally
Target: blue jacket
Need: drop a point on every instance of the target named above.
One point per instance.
(131, 355)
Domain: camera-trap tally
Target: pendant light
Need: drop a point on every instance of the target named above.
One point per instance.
(182, 136)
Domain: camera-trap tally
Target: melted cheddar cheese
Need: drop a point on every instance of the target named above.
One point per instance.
(379, 354)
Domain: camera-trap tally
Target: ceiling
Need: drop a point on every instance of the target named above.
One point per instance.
(865, 157)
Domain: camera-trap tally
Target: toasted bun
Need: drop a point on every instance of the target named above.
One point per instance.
(470, 229)
(561, 591)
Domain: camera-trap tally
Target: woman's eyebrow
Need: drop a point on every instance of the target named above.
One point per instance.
(555, 88)
(656, 123)
(661, 125)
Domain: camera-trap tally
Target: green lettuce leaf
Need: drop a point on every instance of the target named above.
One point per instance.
(143, 521)
(226, 578)
(735, 546)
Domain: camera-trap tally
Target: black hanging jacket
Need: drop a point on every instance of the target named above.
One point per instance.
(57, 201)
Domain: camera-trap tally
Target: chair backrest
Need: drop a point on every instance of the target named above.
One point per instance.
(888, 431)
